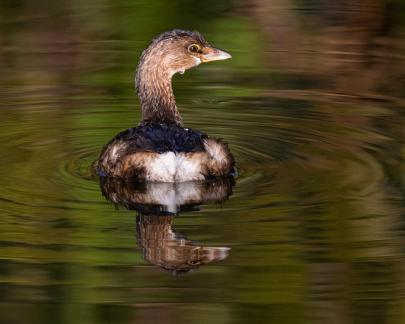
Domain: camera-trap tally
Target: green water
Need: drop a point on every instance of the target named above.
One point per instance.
(312, 106)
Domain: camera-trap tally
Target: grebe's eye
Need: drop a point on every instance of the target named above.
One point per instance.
(194, 48)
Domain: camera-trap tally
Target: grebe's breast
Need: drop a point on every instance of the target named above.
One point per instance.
(164, 153)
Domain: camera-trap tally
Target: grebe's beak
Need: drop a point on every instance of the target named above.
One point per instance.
(214, 54)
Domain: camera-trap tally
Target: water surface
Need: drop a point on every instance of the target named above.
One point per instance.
(312, 107)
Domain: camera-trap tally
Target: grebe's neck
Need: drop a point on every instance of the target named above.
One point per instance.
(153, 83)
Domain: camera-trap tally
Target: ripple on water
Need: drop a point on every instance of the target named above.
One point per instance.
(290, 158)
(287, 135)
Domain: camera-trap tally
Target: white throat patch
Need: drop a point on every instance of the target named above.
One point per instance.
(197, 60)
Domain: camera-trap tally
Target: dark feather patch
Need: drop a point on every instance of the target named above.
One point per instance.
(162, 138)
(179, 33)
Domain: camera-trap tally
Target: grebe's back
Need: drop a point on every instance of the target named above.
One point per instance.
(165, 153)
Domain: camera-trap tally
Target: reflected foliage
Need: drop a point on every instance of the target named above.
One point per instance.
(312, 105)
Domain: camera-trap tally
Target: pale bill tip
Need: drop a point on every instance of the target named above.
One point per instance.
(222, 55)
(216, 55)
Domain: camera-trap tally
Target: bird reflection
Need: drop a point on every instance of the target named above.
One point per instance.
(157, 205)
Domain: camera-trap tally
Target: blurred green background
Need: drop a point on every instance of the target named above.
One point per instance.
(312, 106)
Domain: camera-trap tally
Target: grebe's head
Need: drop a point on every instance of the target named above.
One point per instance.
(172, 52)
(178, 50)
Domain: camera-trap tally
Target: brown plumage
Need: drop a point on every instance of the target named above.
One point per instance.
(165, 198)
(161, 149)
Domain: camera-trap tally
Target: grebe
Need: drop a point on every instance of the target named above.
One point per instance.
(160, 149)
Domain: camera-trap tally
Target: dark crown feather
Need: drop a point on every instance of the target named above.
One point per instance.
(179, 33)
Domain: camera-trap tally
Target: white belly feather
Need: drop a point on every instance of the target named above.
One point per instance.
(174, 167)
(169, 166)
